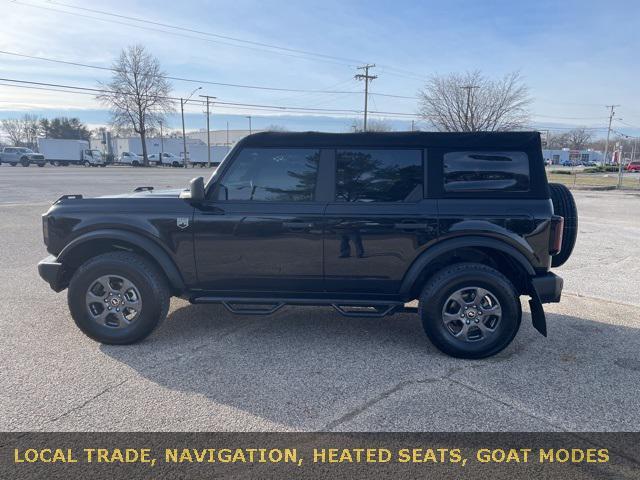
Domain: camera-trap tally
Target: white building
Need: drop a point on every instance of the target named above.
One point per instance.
(221, 137)
(558, 156)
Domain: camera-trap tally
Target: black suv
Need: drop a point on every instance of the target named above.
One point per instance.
(465, 223)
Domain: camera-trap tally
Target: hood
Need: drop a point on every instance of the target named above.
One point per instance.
(171, 193)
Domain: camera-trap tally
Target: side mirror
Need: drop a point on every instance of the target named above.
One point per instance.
(196, 191)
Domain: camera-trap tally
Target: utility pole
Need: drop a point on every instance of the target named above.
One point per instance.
(184, 135)
(620, 169)
(606, 144)
(367, 78)
(227, 134)
(413, 124)
(467, 119)
(161, 145)
(249, 117)
(208, 97)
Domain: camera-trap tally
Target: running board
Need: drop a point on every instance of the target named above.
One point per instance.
(268, 306)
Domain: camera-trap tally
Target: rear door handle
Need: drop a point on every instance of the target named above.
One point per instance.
(411, 226)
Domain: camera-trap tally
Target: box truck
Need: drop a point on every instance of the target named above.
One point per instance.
(70, 152)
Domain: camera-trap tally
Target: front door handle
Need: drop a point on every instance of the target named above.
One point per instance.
(297, 225)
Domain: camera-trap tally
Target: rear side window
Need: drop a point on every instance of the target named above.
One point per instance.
(378, 175)
(486, 171)
(272, 175)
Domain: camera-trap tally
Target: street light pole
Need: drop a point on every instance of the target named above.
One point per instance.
(184, 135)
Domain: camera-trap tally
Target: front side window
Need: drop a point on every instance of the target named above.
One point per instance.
(486, 171)
(272, 175)
(378, 175)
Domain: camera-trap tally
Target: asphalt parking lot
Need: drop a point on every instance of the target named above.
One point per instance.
(311, 369)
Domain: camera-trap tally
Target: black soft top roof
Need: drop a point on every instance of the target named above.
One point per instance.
(498, 140)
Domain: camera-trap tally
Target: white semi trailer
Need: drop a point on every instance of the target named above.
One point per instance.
(69, 152)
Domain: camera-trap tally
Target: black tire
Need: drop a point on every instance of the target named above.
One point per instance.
(86, 163)
(13, 164)
(436, 297)
(24, 162)
(149, 285)
(175, 164)
(135, 163)
(565, 206)
(41, 165)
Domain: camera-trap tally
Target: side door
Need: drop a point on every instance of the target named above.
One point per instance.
(261, 226)
(10, 155)
(379, 219)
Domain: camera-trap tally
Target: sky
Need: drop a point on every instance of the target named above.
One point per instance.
(575, 56)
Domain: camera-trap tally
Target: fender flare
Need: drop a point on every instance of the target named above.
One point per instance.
(157, 252)
(455, 243)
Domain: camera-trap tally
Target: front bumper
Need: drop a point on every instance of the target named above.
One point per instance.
(51, 272)
(548, 287)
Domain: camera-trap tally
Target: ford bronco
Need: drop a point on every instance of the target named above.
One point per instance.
(367, 223)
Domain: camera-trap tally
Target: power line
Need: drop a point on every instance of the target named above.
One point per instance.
(97, 91)
(176, 31)
(199, 81)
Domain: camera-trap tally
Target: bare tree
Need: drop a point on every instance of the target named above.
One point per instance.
(373, 125)
(471, 102)
(276, 128)
(558, 140)
(578, 138)
(138, 93)
(22, 131)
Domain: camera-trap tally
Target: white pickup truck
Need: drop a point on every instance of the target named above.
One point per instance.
(21, 155)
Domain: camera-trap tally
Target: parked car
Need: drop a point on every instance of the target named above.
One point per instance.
(633, 167)
(21, 155)
(130, 158)
(168, 160)
(589, 163)
(568, 163)
(364, 223)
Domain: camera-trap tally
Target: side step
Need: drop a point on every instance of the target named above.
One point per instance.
(268, 306)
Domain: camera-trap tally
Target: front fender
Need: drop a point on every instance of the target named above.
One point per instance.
(151, 247)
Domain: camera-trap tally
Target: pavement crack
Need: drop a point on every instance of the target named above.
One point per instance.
(380, 397)
(506, 404)
(88, 401)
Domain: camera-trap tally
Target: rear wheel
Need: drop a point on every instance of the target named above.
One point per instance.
(135, 163)
(565, 206)
(470, 310)
(13, 164)
(24, 161)
(118, 298)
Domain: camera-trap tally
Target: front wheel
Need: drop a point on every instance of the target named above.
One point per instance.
(470, 310)
(24, 162)
(87, 163)
(118, 298)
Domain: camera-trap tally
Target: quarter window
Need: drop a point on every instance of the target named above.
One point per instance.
(486, 171)
(378, 175)
(272, 174)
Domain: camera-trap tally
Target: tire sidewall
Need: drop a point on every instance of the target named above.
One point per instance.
(438, 333)
(147, 319)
